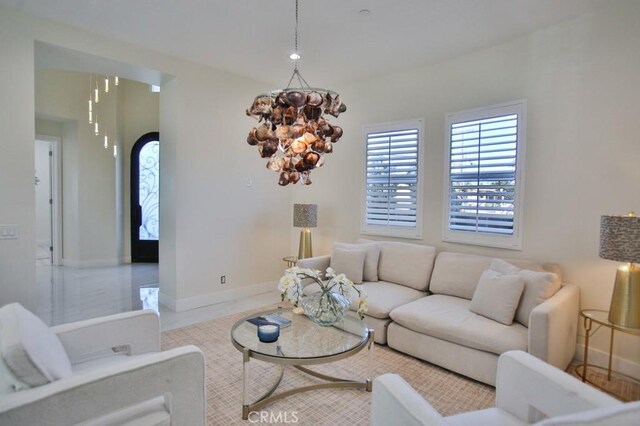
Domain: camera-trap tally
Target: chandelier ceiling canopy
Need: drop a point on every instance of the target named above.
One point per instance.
(293, 131)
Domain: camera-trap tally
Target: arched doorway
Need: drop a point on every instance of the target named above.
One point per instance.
(145, 186)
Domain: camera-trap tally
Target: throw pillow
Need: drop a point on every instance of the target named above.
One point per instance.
(8, 381)
(371, 256)
(348, 262)
(497, 296)
(538, 287)
(33, 352)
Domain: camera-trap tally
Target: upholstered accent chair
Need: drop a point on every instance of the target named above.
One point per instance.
(528, 391)
(101, 371)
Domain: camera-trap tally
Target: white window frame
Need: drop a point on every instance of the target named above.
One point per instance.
(390, 230)
(513, 241)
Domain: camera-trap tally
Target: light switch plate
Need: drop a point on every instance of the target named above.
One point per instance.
(8, 232)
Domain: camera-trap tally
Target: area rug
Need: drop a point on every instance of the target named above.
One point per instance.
(448, 392)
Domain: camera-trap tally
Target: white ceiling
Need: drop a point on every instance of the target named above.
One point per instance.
(255, 37)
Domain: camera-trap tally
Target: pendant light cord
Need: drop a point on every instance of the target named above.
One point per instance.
(296, 38)
(296, 74)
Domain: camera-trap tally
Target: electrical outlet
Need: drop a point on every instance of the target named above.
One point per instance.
(223, 279)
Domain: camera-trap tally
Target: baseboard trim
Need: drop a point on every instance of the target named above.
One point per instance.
(95, 263)
(179, 305)
(601, 359)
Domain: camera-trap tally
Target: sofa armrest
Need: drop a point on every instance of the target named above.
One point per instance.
(553, 327)
(136, 332)
(549, 391)
(176, 375)
(395, 402)
(320, 263)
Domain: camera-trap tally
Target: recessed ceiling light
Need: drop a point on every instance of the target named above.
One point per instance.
(294, 56)
(364, 12)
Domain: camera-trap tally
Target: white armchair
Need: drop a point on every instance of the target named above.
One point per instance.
(118, 376)
(527, 391)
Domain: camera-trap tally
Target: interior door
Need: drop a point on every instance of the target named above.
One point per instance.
(44, 202)
(145, 186)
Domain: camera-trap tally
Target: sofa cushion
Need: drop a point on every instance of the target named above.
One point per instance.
(406, 264)
(349, 262)
(538, 287)
(497, 296)
(382, 297)
(457, 274)
(33, 352)
(448, 318)
(371, 256)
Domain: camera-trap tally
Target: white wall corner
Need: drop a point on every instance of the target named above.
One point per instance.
(179, 305)
(601, 359)
(167, 301)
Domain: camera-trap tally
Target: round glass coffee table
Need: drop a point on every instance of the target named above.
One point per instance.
(301, 343)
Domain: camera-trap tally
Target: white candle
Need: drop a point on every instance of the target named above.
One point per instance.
(269, 328)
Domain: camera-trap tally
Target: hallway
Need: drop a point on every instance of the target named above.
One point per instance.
(67, 294)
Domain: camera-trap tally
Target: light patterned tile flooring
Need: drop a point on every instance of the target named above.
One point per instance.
(67, 294)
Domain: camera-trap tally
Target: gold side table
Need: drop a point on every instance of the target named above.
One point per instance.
(599, 318)
(291, 261)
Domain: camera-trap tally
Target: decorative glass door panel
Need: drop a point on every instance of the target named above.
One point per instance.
(149, 185)
(145, 191)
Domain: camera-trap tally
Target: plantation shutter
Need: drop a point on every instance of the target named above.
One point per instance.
(482, 175)
(392, 178)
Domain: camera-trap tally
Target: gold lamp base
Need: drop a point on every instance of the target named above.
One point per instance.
(625, 302)
(305, 250)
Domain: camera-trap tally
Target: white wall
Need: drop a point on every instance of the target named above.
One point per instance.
(140, 115)
(211, 223)
(581, 80)
(17, 257)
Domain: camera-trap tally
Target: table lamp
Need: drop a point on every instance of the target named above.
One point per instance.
(620, 241)
(305, 216)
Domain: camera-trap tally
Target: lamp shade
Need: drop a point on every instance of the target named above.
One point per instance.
(305, 215)
(620, 238)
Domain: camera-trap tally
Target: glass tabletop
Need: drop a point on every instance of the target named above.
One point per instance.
(303, 339)
(602, 317)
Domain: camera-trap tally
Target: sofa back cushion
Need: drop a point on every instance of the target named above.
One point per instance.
(406, 264)
(457, 274)
(371, 257)
(349, 262)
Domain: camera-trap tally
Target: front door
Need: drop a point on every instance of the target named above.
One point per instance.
(145, 186)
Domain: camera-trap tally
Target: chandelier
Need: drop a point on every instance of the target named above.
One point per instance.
(292, 131)
(94, 100)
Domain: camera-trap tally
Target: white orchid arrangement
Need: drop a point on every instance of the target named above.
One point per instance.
(290, 285)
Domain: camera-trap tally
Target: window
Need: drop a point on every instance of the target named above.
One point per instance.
(392, 196)
(484, 165)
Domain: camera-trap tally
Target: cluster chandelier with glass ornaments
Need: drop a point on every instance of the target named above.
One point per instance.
(294, 133)
(94, 100)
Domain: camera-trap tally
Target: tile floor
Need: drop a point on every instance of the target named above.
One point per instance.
(69, 294)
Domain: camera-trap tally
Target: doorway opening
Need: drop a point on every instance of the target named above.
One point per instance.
(47, 202)
(145, 190)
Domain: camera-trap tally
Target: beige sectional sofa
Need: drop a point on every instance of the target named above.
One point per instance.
(420, 305)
